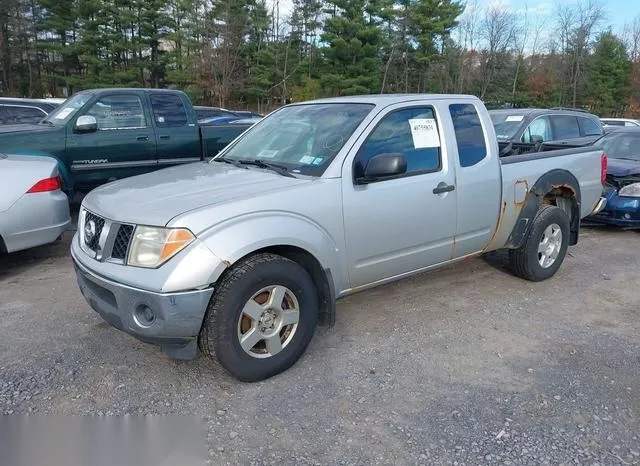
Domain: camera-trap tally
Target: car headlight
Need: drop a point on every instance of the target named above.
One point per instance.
(630, 190)
(153, 246)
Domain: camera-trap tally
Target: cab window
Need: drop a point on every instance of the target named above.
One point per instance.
(469, 134)
(394, 135)
(589, 127)
(119, 111)
(565, 127)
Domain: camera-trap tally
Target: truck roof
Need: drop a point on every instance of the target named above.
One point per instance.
(387, 99)
(130, 89)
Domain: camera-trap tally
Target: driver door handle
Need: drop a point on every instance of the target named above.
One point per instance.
(443, 188)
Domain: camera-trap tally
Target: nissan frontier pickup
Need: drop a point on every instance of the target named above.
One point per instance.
(243, 255)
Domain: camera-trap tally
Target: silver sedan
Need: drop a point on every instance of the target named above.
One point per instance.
(33, 209)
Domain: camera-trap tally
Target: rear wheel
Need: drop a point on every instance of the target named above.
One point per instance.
(261, 317)
(545, 248)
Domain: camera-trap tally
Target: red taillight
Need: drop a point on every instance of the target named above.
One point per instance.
(48, 184)
(603, 168)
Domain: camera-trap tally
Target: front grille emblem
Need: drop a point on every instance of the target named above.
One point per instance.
(89, 231)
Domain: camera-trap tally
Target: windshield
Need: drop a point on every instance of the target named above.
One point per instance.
(621, 145)
(506, 124)
(65, 111)
(302, 138)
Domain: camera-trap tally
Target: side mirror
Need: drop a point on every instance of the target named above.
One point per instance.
(86, 124)
(383, 166)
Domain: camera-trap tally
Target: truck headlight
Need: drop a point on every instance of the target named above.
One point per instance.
(153, 246)
(630, 190)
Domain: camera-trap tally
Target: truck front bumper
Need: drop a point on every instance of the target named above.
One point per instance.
(171, 320)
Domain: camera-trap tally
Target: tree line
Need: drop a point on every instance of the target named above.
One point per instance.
(246, 53)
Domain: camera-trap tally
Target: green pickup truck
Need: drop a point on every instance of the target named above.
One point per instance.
(102, 135)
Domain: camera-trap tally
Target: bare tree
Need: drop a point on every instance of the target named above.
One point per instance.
(577, 23)
(631, 37)
(467, 31)
(497, 30)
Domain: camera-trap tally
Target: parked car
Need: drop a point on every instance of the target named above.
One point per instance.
(33, 209)
(106, 134)
(533, 125)
(23, 111)
(318, 200)
(624, 122)
(622, 188)
(212, 112)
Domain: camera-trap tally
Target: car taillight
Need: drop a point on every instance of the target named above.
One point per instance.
(48, 184)
(603, 168)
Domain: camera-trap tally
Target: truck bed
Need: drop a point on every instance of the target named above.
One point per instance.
(523, 167)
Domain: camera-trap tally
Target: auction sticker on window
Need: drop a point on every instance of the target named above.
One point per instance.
(424, 133)
(267, 154)
(64, 113)
(515, 118)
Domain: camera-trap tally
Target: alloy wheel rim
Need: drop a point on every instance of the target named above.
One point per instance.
(550, 245)
(269, 321)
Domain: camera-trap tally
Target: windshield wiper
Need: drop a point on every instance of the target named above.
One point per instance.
(235, 163)
(280, 169)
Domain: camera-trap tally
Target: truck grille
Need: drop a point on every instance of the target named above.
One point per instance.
(104, 239)
(121, 243)
(93, 226)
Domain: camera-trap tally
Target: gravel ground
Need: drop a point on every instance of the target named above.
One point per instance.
(468, 365)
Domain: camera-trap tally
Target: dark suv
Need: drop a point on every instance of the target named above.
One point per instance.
(557, 125)
(20, 111)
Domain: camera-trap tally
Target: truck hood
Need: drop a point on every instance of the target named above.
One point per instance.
(622, 167)
(26, 128)
(155, 198)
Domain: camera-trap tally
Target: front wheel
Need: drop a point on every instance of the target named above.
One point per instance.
(261, 317)
(545, 248)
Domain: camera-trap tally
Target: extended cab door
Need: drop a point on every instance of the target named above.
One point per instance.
(479, 177)
(122, 146)
(395, 226)
(177, 132)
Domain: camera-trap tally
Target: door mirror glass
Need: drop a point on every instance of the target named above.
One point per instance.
(383, 166)
(86, 124)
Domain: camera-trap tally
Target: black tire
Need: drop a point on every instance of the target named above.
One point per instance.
(524, 261)
(219, 334)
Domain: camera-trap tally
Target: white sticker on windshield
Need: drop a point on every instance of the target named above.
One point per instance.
(64, 113)
(515, 118)
(307, 159)
(267, 154)
(424, 133)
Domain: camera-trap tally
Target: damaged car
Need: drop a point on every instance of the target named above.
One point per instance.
(622, 187)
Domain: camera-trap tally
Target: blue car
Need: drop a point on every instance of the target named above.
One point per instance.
(622, 188)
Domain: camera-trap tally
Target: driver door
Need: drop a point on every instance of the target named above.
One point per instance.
(123, 145)
(396, 226)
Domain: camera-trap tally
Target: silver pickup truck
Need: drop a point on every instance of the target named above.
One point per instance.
(245, 254)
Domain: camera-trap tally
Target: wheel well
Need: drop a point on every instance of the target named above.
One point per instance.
(565, 198)
(321, 278)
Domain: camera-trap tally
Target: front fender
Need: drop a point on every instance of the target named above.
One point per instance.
(240, 236)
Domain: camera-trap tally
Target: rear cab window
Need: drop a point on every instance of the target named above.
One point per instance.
(412, 132)
(472, 148)
(168, 110)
